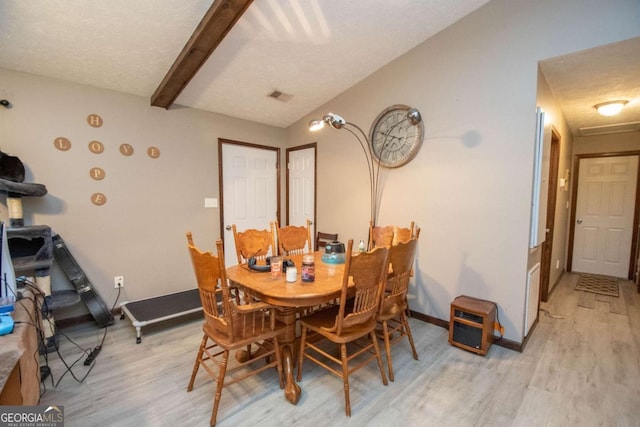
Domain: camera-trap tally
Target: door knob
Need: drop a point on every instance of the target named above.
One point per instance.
(228, 227)
(579, 221)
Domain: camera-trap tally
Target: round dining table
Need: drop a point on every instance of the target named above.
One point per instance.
(290, 297)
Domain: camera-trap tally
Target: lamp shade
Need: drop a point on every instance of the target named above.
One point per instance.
(315, 125)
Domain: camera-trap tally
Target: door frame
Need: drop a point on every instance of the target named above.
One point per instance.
(574, 194)
(552, 199)
(222, 141)
(315, 180)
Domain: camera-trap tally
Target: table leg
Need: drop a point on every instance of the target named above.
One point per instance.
(291, 388)
(288, 350)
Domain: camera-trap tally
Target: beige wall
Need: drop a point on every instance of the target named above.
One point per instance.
(611, 143)
(140, 232)
(469, 188)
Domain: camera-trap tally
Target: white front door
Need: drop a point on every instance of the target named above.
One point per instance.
(301, 173)
(604, 215)
(250, 193)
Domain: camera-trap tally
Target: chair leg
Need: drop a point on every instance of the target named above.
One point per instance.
(303, 339)
(219, 386)
(405, 322)
(387, 348)
(345, 378)
(203, 345)
(378, 357)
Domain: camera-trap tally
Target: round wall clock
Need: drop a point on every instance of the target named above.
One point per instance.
(396, 135)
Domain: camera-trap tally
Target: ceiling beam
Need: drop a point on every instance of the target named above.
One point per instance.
(216, 23)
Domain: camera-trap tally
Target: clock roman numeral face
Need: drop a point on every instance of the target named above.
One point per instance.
(394, 139)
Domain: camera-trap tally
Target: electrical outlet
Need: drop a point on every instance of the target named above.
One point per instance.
(118, 282)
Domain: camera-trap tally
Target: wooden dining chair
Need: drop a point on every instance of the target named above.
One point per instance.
(231, 326)
(403, 234)
(294, 240)
(252, 243)
(354, 318)
(392, 316)
(380, 236)
(323, 238)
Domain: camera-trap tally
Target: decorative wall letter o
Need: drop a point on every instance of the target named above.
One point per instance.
(126, 149)
(62, 143)
(94, 120)
(97, 174)
(98, 199)
(96, 147)
(153, 152)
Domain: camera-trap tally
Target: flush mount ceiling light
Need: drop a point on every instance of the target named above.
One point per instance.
(610, 108)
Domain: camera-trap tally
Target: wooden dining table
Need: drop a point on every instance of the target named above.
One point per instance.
(289, 297)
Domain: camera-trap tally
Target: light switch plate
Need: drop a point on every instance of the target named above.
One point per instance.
(210, 202)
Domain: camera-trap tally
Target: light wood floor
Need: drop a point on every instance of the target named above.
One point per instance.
(581, 367)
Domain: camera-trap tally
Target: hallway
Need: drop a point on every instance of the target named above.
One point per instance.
(588, 369)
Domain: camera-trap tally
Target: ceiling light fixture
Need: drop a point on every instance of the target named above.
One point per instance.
(610, 108)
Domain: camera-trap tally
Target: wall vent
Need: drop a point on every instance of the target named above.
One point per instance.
(617, 128)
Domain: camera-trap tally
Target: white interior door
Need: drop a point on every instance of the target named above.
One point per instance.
(301, 189)
(250, 193)
(604, 215)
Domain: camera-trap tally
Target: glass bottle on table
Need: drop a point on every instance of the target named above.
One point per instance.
(308, 268)
(276, 267)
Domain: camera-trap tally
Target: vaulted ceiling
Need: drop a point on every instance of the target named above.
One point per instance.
(307, 50)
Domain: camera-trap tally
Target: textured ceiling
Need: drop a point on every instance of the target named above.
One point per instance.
(310, 49)
(127, 46)
(583, 79)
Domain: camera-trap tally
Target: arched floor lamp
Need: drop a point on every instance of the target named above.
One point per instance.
(337, 122)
